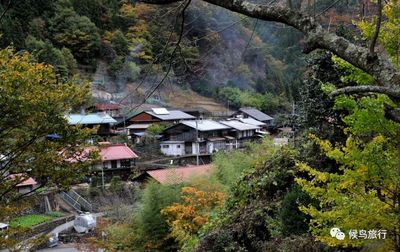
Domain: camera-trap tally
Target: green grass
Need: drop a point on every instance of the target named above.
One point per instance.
(55, 214)
(29, 220)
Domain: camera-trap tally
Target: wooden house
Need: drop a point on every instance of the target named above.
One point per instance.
(26, 184)
(195, 137)
(114, 156)
(254, 113)
(103, 120)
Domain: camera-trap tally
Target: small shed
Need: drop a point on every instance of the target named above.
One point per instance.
(26, 185)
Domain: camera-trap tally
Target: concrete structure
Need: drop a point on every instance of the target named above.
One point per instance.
(173, 148)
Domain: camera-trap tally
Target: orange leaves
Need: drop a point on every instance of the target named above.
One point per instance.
(186, 218)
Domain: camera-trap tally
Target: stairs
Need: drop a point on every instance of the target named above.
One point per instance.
(76, 201)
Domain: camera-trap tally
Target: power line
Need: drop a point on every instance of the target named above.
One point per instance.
(170, 59)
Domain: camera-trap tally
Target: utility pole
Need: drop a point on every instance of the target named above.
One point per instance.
(102, 176)
(197, 143)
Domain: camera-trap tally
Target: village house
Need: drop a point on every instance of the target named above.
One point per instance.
(254, 113)
(138, 124)
(159, 115)
(26, 183)
(208, 136)
(241, 131)
(114, 156)
(111, 109)
(103, 120)
(194, 137)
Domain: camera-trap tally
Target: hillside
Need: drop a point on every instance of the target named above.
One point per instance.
(118, 45)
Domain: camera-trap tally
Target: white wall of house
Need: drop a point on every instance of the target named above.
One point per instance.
(173, 149)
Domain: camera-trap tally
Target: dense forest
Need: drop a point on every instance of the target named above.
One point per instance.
(340, 170)
(219, 55)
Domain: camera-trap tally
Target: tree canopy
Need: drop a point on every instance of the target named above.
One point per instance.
(33, 104)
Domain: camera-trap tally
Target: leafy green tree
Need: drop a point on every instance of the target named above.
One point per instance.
(45, 52)
(70, 61)
(33, 103)
(155, 129)
(294, 222)
(389, 34)
(75, 32)
(120, 43)
(150, 227)
(116, 185)
(96, 10)
(368, 180)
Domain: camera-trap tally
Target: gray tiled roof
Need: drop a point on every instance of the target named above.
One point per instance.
(239, 125)
(172, 115)
(205, 125)
(251, 121)
(256, 114)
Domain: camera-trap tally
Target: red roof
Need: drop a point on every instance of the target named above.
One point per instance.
(116, 152)
(109, 106)
(179, 174)
(107, 151)
(27, 182)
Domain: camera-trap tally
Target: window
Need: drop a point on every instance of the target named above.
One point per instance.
(165, 146)
(126, 163)
(113, 164)
(178, 146)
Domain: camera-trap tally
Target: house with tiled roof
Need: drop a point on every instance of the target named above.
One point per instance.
(113, 156)
(140, 122)
(103, 120)
(26, 184)
(194, 136)
(249, 112)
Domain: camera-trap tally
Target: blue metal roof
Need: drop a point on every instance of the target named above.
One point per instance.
(95, 118)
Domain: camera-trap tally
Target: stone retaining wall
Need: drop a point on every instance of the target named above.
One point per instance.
(46, 226)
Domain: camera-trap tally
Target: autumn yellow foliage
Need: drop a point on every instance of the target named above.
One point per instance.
(186, 218)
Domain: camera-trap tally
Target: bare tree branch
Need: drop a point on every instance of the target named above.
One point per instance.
(392, 93)
(377, 28)
(380, 67)
(5, 10)
(151, 91)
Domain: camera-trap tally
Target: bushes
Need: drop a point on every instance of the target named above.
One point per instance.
(116, 185)
(267, 102)
(294, 222)
(150, 228)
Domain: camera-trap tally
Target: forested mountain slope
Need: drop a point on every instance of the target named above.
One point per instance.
(134, 43)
